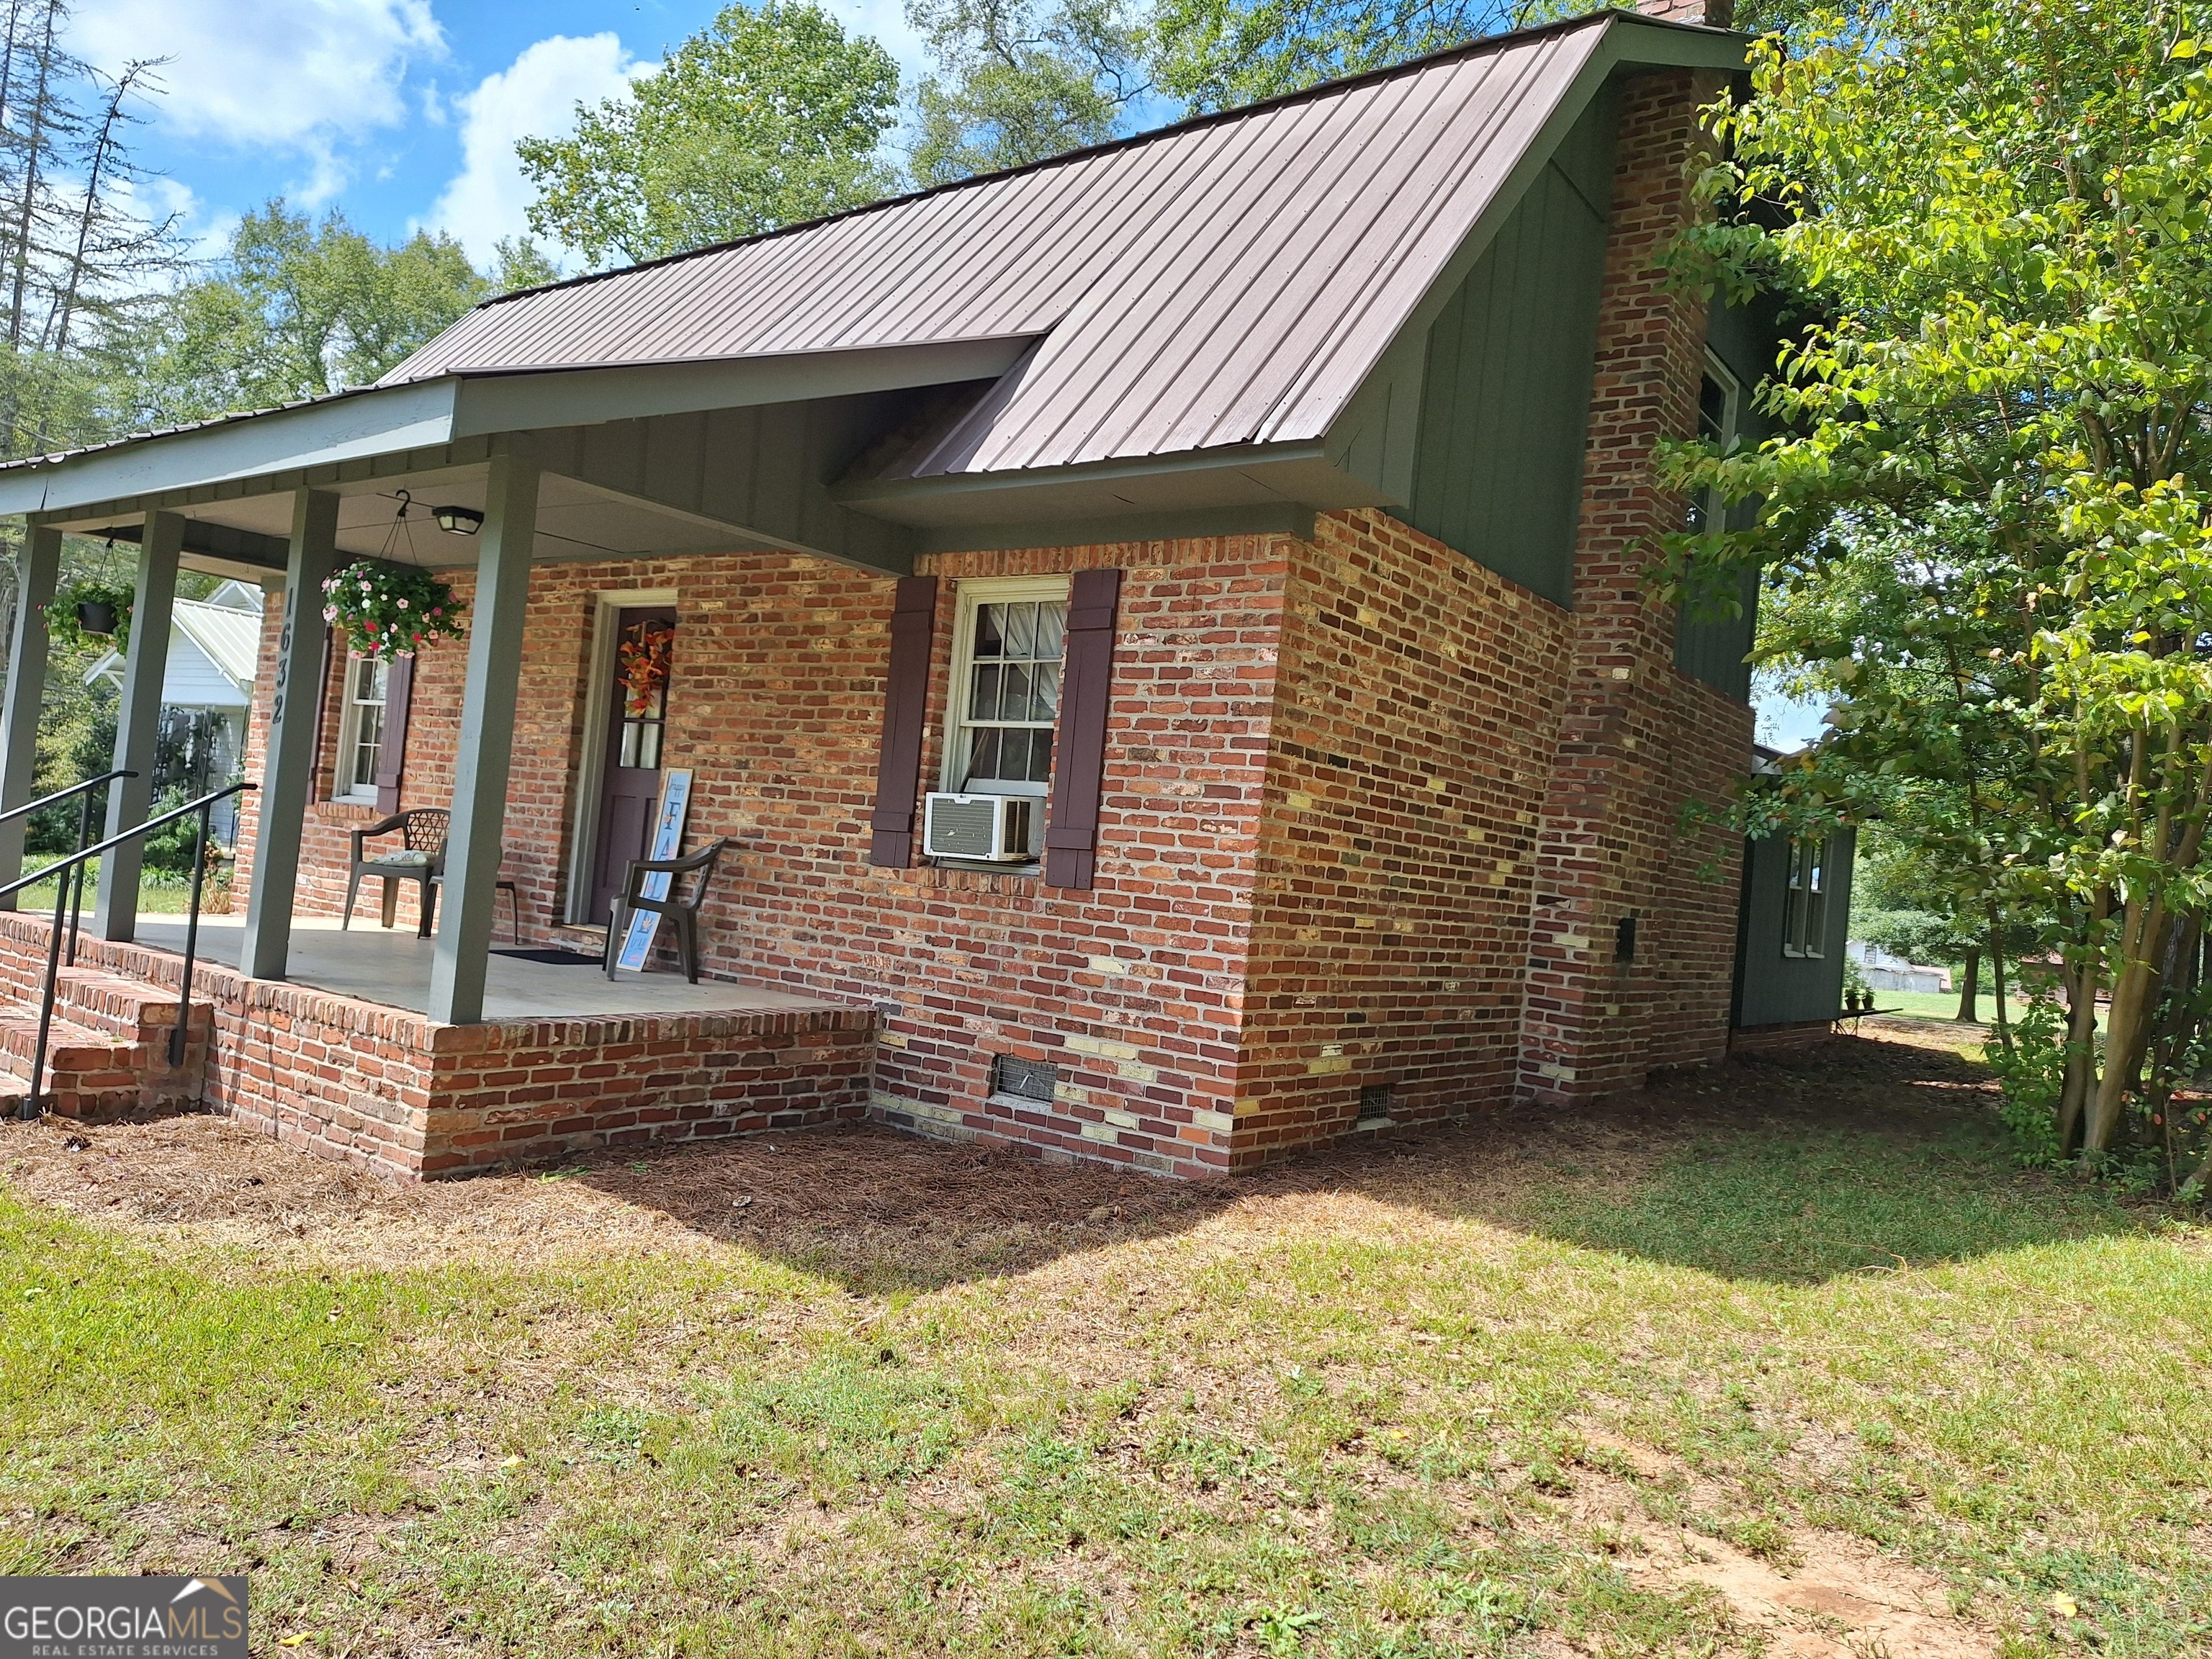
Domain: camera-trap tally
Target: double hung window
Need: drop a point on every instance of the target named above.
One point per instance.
(360, 728)
(1720, 409)
(1010, 639)
(1805, 905)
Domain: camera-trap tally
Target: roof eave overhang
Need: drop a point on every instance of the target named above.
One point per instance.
(1246, 475)
(283, 443)
(1381, 400)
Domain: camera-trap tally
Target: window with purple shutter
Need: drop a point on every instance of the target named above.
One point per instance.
(906, 706)
(1070, 836)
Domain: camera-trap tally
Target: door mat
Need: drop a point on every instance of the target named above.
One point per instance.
(556, 958)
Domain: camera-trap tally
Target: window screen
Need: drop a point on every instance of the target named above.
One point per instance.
(1013, 692)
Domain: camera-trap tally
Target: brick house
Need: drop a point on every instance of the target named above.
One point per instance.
(1259, 507)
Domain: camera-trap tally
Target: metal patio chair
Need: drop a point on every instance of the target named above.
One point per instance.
(420, 857)
(684, 912)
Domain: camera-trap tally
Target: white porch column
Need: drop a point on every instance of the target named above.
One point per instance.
(139, 723)
(295, 709)
(37, 566)
(472, 848)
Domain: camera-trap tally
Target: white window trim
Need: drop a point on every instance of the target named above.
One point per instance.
(1800, 938)
(1731, 424)
(972, 596)
(344, 786)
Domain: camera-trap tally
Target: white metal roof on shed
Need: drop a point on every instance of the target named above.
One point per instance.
(213, 652)
(1229, 281)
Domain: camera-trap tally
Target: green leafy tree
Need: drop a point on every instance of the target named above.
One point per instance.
(297, 308)
(764, 119)
(1217, 54)
(1017, 82)
(1991, 492)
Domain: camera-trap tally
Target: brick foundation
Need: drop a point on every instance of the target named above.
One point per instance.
(1780, 1039)
(390, 1092)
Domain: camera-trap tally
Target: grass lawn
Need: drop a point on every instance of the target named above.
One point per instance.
(1944, 1005)
(168, 896)
(1788, 1359)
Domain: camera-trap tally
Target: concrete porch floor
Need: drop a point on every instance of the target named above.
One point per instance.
(393, 967)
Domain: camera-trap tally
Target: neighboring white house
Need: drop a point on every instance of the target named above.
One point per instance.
(207, 686)
(1885, 972)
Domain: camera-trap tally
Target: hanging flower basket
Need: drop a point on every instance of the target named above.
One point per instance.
(90, 614)
(391, 609)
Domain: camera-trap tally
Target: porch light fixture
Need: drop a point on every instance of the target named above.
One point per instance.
(457, 520)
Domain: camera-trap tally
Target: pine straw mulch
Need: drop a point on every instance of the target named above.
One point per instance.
(851, 1200)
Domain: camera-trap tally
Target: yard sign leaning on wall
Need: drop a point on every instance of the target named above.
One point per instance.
(667, 842)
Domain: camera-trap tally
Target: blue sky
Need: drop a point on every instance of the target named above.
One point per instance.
(401, 113)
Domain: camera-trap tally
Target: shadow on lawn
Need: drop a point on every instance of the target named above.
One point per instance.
(1861, 1154)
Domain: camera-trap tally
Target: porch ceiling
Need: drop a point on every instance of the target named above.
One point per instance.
(576, 521)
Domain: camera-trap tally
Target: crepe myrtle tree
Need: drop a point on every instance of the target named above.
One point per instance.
(1985, 519)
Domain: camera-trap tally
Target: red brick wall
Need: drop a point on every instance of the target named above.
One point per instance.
(325, 844)
(1638, 738)
(1418, 694)
(777, 703)
(1370, 812)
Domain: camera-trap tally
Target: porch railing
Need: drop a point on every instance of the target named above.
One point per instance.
(74, 876)
(71, 866)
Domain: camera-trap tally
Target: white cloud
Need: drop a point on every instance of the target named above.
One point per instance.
(535, 96)
(294, 75)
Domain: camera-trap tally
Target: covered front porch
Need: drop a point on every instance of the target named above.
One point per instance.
(434, 1055)
(395, 968)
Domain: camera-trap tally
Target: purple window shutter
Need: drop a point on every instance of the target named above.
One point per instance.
(1070, 836)
(906, 706)
(322, 712)
(391, 752)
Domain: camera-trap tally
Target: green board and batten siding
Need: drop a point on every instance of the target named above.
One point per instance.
(1773, 987)
(1712, 649)
(1505, 390)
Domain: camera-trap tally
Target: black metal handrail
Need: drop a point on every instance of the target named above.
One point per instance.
(75, 879)
(63, 794)
(179, 1039)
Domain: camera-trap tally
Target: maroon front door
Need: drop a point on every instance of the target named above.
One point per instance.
(637, 717)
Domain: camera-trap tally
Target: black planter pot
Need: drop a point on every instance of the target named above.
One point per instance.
(95, 617)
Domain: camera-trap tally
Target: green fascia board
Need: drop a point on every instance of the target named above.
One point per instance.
(346, 427)
(1234, 476)
(538, 399)
(1632, 42)
(279, 444)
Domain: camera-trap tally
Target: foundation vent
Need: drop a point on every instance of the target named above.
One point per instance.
(1025, 1079)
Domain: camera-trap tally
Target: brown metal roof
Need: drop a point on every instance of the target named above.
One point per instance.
(1228, 281)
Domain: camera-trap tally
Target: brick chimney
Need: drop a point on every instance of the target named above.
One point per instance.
(1720, 13)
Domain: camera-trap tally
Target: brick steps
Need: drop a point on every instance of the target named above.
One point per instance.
(108, 1049)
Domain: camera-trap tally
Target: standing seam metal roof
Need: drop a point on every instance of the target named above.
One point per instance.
(1229, 281)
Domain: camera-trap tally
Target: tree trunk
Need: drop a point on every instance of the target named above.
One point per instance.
(1998, 980)
(2081, 1054)
(2127, 1025)
(1970, 988)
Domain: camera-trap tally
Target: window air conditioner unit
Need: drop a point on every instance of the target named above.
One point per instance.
(993, 829)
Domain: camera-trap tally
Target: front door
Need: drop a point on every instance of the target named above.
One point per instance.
(637, 719)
